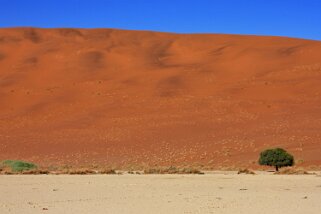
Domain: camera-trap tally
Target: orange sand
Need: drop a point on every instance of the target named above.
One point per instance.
(116, 97)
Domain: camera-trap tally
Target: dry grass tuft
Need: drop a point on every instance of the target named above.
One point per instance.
(292, 171)
(246, 171)
(36, 172)
(108, 171)
(172, 170)
(81, 172)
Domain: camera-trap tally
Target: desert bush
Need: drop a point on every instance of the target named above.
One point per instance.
(276, 157)
(18, 166)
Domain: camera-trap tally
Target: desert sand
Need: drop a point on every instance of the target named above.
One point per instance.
(136, 98)
(210, 193)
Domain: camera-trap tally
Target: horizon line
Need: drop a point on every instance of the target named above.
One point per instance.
(159, 31)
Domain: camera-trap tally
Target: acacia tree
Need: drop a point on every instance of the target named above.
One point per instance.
(276, 157)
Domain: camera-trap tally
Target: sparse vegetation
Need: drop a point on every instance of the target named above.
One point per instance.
(276, 157)
(293, 172)
(36, 172)
(246, 171)
(81, 172)
(18, 166)
(108, 171)
(172, 170)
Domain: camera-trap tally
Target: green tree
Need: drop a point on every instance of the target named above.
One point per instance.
(276, 157)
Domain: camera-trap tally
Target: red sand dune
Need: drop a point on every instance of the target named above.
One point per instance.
(130, 98)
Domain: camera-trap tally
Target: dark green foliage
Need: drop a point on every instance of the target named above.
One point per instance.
(18, 166)
(276, 157)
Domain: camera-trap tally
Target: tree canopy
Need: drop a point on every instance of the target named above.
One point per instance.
(276, 157)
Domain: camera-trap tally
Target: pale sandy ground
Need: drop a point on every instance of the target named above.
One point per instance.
(210, 193)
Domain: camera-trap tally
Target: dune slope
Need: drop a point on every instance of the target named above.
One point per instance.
(131, 98)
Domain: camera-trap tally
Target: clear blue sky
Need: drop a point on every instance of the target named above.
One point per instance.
(294, 18)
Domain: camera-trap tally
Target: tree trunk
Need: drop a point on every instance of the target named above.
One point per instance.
(277, 168)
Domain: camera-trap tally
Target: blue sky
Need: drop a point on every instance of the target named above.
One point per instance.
(293, 18)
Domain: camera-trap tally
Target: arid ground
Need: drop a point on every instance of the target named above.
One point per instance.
(210, 193)
(136, 98)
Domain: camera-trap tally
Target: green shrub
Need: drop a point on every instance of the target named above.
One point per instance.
(276, 157)
(18, 166)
